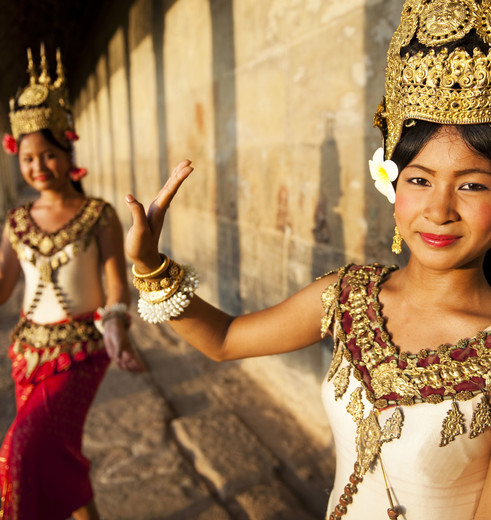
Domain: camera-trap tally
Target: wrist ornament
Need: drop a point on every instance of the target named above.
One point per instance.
(158, 290)
(161, 305)
(116, 310)
(154, 274)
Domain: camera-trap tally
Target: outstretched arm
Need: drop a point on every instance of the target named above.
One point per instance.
(290, 325)
(116, 340)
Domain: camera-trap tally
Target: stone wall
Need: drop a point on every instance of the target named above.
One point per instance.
(273, 100)
(9, 172)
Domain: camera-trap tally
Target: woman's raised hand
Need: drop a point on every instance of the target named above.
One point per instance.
(143, 237)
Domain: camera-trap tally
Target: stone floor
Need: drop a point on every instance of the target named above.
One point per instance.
(190, 439)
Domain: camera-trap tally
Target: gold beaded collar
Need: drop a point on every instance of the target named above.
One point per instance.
(22, 229)
(392, 377)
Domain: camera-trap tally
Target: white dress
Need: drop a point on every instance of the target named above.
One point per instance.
(63, 289)
(369, 382)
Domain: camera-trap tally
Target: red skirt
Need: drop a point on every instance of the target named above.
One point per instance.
(43, 474)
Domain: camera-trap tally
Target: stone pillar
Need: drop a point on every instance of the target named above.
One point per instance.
(143, 101)
(120, 124)
(9, 170)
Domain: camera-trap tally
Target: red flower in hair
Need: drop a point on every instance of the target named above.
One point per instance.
(9, 144)
(71, 136)
(77, 173)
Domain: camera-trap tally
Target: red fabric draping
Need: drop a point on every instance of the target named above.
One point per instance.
(43, 474)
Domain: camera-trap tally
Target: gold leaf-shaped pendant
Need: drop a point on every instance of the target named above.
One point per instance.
(341, 382)
(393, 426)
(32, 361)
(55, 263)
(453, 425)
(355, 406)
(63, 257)
(337, 358)
(481, 418)
(367, 442)
(46, 245)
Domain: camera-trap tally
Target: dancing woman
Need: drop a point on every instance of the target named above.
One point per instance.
(408, 389)
(70, 326)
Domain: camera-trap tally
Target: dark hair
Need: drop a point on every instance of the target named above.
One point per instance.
(413, 138)
(48, 135)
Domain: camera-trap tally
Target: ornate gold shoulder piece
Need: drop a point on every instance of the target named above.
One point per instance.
(329, 300)
(442, 83)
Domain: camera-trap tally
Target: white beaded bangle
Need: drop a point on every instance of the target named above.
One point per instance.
(118, 309)
(173, 306)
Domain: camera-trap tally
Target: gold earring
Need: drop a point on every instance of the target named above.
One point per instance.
(397, 242)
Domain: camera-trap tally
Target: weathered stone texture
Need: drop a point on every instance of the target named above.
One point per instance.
(224, 451)
(123, 182)
(273, 101)
(191, 439)
(273, 501)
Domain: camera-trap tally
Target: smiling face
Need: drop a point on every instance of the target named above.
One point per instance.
(443, 203)
(43, 165)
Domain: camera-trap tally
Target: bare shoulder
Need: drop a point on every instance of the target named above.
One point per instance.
(318, 286)
(310, 302)
(109, 216)
(108, 223)
(328, 279)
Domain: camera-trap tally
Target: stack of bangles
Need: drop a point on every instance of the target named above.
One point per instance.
(116, 310)
(165, 292)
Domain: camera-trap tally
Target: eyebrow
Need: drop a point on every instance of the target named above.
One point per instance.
(40, 153)
(457, 172)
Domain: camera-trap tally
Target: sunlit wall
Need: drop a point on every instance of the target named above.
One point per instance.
(273, 100)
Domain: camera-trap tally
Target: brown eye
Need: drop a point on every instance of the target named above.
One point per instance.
(473, 186)
(419, 181)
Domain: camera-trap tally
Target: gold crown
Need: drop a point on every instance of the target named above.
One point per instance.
(42, 104)
(435, 84)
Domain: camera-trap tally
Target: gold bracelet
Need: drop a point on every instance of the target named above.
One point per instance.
(157, 272)
(167, 285)
(147, 285)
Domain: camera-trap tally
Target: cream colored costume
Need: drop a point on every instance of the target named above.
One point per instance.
(80, 277)
(58, 361)
(425, 416)
(63, 286)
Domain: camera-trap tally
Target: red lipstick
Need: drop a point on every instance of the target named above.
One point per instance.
(41, 177)
(439, 240)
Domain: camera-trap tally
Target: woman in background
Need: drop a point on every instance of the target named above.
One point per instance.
(70, 326)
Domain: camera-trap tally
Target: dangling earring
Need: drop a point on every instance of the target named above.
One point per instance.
(397, 241)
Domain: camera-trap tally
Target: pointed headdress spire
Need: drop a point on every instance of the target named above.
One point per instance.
(43, 104)
(438, 67)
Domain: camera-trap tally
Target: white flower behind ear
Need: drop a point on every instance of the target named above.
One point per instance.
(384, 173)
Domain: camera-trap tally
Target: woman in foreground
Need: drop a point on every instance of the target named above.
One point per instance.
(407, 393)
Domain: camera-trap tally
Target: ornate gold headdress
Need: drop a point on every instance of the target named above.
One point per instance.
(43, 104)
(436, 84)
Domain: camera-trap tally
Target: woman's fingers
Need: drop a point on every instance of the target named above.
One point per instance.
(137, 212)
(156, 211)
(143, 236)
(158, 207)
(129, 362)
(176, 178)
(139, 243)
